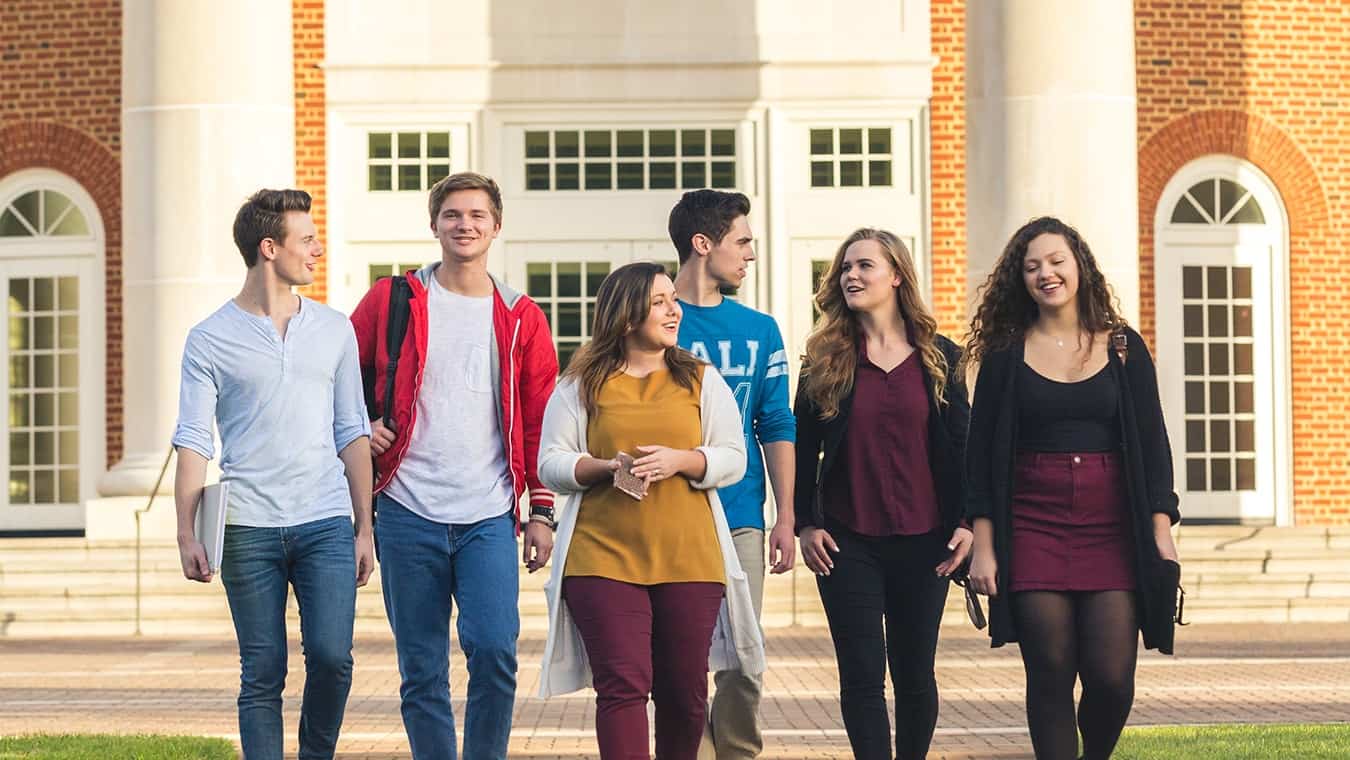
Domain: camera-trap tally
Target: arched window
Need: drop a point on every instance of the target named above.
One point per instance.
(1219, 264)
(1217, 201)
(42, 213)
(52, 280)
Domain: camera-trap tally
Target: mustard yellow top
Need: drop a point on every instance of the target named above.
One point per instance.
(669, 536)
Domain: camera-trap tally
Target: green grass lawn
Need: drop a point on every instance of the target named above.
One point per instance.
(1244, 742)
(98, 747)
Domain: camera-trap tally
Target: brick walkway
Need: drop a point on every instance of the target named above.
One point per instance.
(1233, 673)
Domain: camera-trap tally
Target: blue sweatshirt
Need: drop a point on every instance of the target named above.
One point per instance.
(747, 349)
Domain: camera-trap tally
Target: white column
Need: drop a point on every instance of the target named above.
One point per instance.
(208, 118)
(1050, 130)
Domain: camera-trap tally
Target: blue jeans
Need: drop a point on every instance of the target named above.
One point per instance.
(318, 559)
(426, 567)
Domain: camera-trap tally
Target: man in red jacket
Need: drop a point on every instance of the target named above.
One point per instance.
(475, 370)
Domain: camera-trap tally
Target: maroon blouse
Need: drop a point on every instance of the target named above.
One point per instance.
(889, 487)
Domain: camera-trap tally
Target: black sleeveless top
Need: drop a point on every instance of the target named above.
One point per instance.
(1059, 417)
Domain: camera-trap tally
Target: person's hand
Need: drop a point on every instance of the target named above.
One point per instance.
(1167, 548)
(192, 555)
(983, 572)
(381, 437)
(365, 557)
(538, 545)
(962, 541)
(660, 462)
(782, 548)
(816, 546)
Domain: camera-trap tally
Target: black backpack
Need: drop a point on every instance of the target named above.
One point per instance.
(400, 292)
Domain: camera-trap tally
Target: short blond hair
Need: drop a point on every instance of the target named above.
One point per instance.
(465, 181)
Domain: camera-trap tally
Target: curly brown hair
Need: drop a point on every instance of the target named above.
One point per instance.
(831, 359)
(1006, 309)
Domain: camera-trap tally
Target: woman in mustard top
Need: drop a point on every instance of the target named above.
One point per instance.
(643, 580)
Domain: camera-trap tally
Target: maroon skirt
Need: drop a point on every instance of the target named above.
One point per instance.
(1071, 524)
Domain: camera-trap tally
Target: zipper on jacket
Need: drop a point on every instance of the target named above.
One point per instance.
(511, 417)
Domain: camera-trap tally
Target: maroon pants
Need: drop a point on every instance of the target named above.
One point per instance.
(646, 640)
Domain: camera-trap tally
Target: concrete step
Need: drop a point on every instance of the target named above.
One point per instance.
(1266, 610)
(75, 587)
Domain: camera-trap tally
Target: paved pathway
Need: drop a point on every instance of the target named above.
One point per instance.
(1228, 673)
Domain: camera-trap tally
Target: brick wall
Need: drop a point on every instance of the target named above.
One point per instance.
(1265, 81)
(310, 123)
(948, 166)
(61, 108)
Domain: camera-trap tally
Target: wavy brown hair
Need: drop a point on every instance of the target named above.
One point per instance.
(1006, 309)
(621, 306)
(832, 348)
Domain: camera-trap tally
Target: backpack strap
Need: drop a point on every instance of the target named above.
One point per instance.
(400, 292)
(1120, 343)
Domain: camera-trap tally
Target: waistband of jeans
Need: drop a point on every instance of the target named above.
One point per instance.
(1068, 458)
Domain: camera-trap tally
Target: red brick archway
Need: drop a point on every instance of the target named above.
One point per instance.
(1270, 149)
(46, 145)
(1232, 133)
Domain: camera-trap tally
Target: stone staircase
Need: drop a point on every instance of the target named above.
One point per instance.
(73, 587)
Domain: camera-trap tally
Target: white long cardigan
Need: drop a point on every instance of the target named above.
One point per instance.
(738, 643)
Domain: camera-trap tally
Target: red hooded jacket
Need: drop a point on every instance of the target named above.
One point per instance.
(524, 365)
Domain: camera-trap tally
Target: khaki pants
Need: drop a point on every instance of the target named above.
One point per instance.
(733, 716)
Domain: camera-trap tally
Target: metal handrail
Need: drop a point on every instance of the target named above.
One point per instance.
(148, 504)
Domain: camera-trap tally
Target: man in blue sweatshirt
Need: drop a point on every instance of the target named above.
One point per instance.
(713, 239)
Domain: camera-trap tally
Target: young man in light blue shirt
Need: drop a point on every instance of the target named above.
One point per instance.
(278, 374)
(712, 236)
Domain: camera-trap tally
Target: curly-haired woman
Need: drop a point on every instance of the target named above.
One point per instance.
(1070, 487)
(881, 429)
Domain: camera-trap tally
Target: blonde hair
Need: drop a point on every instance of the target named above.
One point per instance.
(465, 181)
(831, 350)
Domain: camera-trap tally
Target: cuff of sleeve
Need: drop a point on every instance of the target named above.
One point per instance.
(562, 472)
(710, 478)
(204, 451)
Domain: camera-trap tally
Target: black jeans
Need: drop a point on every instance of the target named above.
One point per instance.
(884, 602)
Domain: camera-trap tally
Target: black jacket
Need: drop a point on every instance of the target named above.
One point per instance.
(820, 441)
(1146, 454)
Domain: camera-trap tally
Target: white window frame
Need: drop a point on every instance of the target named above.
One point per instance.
(836, 158)
(516, 141)
(423, 160)
(1177, 245)
(81, 256)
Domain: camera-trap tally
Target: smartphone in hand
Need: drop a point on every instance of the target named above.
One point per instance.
(626, 481)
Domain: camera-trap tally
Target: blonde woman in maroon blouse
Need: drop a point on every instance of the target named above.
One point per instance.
(881, 433)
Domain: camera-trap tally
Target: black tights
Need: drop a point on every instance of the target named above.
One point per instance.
(1069, 635)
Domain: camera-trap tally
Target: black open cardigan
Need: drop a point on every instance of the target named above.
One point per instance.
(1146, 454)
(819, 443)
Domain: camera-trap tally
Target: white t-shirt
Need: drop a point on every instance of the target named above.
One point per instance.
(455, 469)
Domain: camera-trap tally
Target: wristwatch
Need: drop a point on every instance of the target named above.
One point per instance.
(542, 514)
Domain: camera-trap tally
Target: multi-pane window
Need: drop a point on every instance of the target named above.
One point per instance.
(1220, 379)
(406, 160)
(376, 271)
(566, 291)
(851, 157)
(1217, 201)
(40, 213)
(630, 159)
(44, 368)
